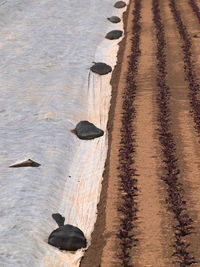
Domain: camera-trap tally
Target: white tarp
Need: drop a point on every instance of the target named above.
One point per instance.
(46, 50)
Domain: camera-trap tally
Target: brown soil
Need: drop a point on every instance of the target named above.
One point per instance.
(187, 141)
(154, 224)
(153, 248)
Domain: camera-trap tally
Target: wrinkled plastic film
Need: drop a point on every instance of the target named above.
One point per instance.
(46, 50)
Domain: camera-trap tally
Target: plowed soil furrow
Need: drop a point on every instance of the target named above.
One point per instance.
(154, 241)
(186, 139)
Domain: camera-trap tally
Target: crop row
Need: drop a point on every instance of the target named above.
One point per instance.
(190, 74)
(175, 201)
(195, 8)
(127, 176)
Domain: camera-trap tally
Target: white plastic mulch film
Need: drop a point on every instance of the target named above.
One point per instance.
(46, 50)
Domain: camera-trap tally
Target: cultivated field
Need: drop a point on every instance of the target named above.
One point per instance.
(149, 212)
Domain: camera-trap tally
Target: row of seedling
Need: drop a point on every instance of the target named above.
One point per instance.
(195, 8)
(175, 201)
(190, 74)
(127, 173)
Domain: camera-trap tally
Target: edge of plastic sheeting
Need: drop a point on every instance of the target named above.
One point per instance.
(80, 198)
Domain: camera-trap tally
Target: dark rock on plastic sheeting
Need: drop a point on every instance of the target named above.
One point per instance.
(114, 19)
(26, 163)
(86, 130)
(112, 35)
(120, 4)
(66, 237)
(101, 68)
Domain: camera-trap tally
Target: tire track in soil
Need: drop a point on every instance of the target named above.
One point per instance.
(176, 202)
(153, 233)
(185, 136)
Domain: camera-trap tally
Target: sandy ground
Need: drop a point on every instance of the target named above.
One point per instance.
(154, 225)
